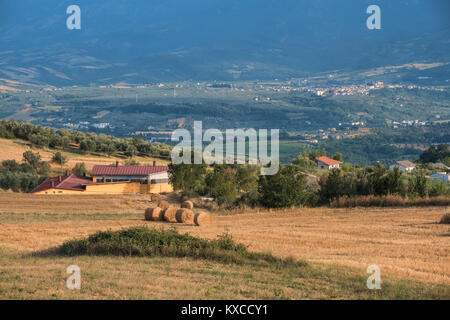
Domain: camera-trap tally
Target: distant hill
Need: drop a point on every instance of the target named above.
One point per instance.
(165, 40)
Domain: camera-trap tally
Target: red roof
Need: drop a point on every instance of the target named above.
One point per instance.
(71, 182)
(127, 170)
(328, 161)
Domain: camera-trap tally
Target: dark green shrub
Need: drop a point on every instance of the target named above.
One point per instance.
(445, 219)
(145, 242)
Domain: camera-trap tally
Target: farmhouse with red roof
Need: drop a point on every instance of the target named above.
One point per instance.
(113, 179)
(328, 163)
(63, 184)
(117, 173)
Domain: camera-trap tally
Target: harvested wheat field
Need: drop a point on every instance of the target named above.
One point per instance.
(69, 204)
(406, 243)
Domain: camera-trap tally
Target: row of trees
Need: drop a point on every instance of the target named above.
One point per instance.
(31, 171)
(88, 142)
(24, 176)
(236, 185)
(378, 181)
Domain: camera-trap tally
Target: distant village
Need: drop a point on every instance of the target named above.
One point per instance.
(257, 88)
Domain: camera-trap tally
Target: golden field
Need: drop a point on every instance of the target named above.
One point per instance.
(407, 244)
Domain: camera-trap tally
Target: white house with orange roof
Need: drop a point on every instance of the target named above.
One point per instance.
(327, 163)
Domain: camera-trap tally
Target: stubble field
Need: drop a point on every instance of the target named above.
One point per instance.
(409, 245)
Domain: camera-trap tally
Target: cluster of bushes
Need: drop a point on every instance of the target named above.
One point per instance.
(23, 176)
(434, 154)
(80, 169)
(88, 142)
(388, 201)
(32, 171)
(378, 181)
(235, 185)
(144, 242)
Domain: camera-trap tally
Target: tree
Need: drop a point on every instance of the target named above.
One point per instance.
(284, 189)
(32, 158)
(247, 177)
(11, 165)
(304, 162)
(59, 141)
(132, 162)
(44, 168)
(79, 169)
(39, 139)
(109, 148)
(131, 151)
(10, 180)
(440, 153)
(332, 185)
(439, 188)
(144, 149)
(59, 158)
(28, 182)
(393, 183)
(19, 181)
(88, 145)
(377, 183)
(188, 178)
(418, 184)
(338, 156)
(222, 184)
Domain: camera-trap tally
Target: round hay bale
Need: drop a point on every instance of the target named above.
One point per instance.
(185, 215)
(163, 204)
(157, 214)
(445, 219)
(155, 197)
(187, 204)
(169, 214)
(153, 214)
(203, 219)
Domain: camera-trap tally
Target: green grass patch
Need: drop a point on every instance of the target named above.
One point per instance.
(145, 242)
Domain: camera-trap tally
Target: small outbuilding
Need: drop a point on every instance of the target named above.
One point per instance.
(404, 165)
(440, 176)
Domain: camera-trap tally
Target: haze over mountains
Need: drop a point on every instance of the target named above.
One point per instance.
(173, 40)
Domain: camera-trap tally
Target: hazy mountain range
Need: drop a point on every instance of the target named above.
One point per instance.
(167, 40)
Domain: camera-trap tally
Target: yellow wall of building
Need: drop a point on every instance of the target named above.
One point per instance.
(161, 188)
(128, 188)
(59, 191)
(115, 188)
